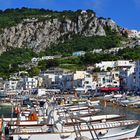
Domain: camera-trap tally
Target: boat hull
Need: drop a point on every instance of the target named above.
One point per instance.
(112, 134)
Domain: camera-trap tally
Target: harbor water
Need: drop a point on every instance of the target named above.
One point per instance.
(5, 110)
(124, 111)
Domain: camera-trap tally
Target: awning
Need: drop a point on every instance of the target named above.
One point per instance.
(109, 88)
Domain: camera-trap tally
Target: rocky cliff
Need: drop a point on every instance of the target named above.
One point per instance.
(39, 35)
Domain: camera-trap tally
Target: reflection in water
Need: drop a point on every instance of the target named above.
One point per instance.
(130, 114)
(5, 111)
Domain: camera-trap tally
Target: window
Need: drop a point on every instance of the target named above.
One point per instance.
(88, 76)
(86, 82)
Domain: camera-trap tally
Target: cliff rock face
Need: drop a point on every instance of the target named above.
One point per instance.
(41, 34)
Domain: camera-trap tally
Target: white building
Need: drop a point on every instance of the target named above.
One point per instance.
(126, 68)
(88, 83)
(127, 78)
(51, 57)
(84, 80)
(113, 50)
(123, 64)
(41, 91)
(108, 79)
(63, 81)
(79, 75)
(115, 78)
(114, 64)
(105, 64)
(30, 83)
(47, 57)
(10, 85)
(35, 60)
(97, 51)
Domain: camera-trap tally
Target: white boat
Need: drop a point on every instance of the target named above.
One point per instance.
(80, 112)
(108, 96)
(129, 102)
(58, 131)
(67, 120)
(105, 131)
(95, 119)
(124, 102)
(118, 96)
(81, 104)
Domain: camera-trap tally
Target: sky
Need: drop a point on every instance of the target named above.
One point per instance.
(124, 12)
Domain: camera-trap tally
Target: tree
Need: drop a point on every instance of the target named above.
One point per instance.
(109, 68)
(42, 65)
(52, 63)
(34, 71)
(96, 69)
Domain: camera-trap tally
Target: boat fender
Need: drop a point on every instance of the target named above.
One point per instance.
(103, 132)
(103, 121)
(64, 136)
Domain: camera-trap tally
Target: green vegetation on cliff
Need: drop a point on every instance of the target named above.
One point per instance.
(125, 54)
(11, 17)
(10, 60)
(81, 43)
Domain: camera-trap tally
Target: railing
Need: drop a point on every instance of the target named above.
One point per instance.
(78, 130)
